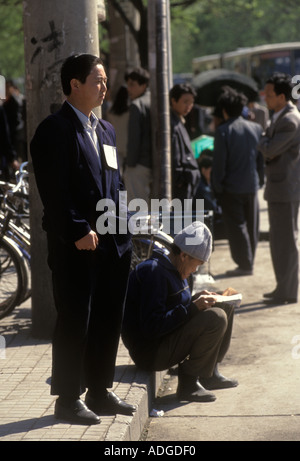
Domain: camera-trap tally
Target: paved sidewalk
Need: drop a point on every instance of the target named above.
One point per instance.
(26, 406)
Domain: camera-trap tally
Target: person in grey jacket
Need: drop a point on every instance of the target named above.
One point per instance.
(138, 169)
(280, 147)
(237, 174)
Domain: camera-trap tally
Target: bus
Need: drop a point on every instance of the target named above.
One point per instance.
(258, 62)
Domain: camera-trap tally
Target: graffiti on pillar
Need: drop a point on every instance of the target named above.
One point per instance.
(50, 43)
(53, 41)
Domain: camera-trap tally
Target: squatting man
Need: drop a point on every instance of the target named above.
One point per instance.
(164, 325)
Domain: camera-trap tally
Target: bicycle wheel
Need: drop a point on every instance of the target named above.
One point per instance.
(12, 277)
(144, 244)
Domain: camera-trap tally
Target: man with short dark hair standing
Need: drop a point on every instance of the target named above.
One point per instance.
(185, 171)
(280, 147)
(75, 165)
(237, 174)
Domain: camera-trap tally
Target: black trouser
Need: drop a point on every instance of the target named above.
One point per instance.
(283, 220)
(241, 218)
(89, 290)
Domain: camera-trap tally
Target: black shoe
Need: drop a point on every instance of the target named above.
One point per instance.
(271, 294)
(218, 381)
(75, 412)
(109, 404)
(280, 301)
(239, 272)
(190, 390)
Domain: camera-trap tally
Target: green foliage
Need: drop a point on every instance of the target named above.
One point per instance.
(216, 26)
(199, 27)
(11, 39)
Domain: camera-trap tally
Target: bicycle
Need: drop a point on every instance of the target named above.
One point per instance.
(149, 238)
(15, 279)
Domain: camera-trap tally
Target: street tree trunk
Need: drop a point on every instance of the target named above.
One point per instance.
(53, 30)
(129, 11)
(123, 50)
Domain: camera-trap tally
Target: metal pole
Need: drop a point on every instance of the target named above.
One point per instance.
(163, 112)
(153, 89)
(159, 67)
(170, 62)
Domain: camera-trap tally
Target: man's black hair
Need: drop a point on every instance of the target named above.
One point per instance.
(205, 160)
(181, 88)
(139, 75)
(77, 66)
(282, 84)
(232, 101)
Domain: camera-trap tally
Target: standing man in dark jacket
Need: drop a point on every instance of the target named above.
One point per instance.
(237, 174)
(75, 165)
(163, 326)
(138, 170)
(280, 146)
(185, 171)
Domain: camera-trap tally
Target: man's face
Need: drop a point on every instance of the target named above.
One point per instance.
(92, 92)
(187, 265)
(135, 90)
(184, 104)
(274, 101)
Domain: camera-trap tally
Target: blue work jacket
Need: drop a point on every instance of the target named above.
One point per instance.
(158, 302)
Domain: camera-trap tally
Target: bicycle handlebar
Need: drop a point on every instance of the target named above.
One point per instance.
(14, 190)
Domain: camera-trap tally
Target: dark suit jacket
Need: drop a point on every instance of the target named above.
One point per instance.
(139, 150)
(185, 171)
(70, 178)
(7, 152)
(238, 166)
(280, 147)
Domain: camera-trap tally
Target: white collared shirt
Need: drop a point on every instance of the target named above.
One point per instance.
(89, 126)
(276, 115)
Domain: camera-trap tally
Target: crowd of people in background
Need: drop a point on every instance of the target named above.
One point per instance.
(160, 327)
(129, 113)
(227, 177)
